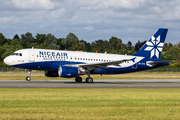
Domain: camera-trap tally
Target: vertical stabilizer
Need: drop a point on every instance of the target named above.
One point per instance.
(153, 47)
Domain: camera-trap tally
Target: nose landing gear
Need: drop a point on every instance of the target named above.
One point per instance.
(28, 78)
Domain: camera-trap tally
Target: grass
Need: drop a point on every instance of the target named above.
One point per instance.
(141, 72)
(123, 76)
(136, 75)
(147, 104)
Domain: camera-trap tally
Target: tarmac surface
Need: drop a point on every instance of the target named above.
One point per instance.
(113, 83)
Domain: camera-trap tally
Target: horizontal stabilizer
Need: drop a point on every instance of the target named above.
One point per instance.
(159, 62)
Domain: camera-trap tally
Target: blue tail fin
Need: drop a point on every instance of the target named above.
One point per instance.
(153, 47)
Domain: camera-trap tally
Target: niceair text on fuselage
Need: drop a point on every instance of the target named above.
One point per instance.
(48, 53)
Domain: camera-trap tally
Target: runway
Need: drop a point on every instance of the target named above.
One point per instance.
(114, 83)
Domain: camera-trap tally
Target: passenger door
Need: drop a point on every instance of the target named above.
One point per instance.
(31, 56)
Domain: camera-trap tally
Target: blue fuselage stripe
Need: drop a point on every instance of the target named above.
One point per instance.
(47, 65)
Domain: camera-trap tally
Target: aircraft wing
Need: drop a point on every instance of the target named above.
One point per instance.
(96, 66)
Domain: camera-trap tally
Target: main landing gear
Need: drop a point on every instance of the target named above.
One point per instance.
(88, 79)
(78, 79)
(28, 78)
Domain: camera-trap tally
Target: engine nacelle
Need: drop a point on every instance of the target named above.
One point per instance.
(51, 73)
(68, 72)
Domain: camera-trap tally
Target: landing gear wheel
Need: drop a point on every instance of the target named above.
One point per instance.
(78, 79)
(28, 78)
(89, 80)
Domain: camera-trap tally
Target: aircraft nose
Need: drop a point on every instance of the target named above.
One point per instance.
(7, 60)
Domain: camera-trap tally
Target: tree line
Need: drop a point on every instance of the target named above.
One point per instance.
(48, 41)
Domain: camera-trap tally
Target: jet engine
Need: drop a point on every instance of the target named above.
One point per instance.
(63, 71)
(68, 72)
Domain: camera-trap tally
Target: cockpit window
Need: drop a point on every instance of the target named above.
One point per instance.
(17, 54)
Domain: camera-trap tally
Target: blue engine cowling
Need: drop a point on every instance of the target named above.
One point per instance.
(68, 72)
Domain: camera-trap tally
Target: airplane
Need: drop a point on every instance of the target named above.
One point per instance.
(69, 64)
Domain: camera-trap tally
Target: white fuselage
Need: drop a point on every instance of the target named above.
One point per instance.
(45, 55)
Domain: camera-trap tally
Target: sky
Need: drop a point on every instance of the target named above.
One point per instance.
(90, 20)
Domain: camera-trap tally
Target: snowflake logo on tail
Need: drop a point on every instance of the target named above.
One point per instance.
(155, 46)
